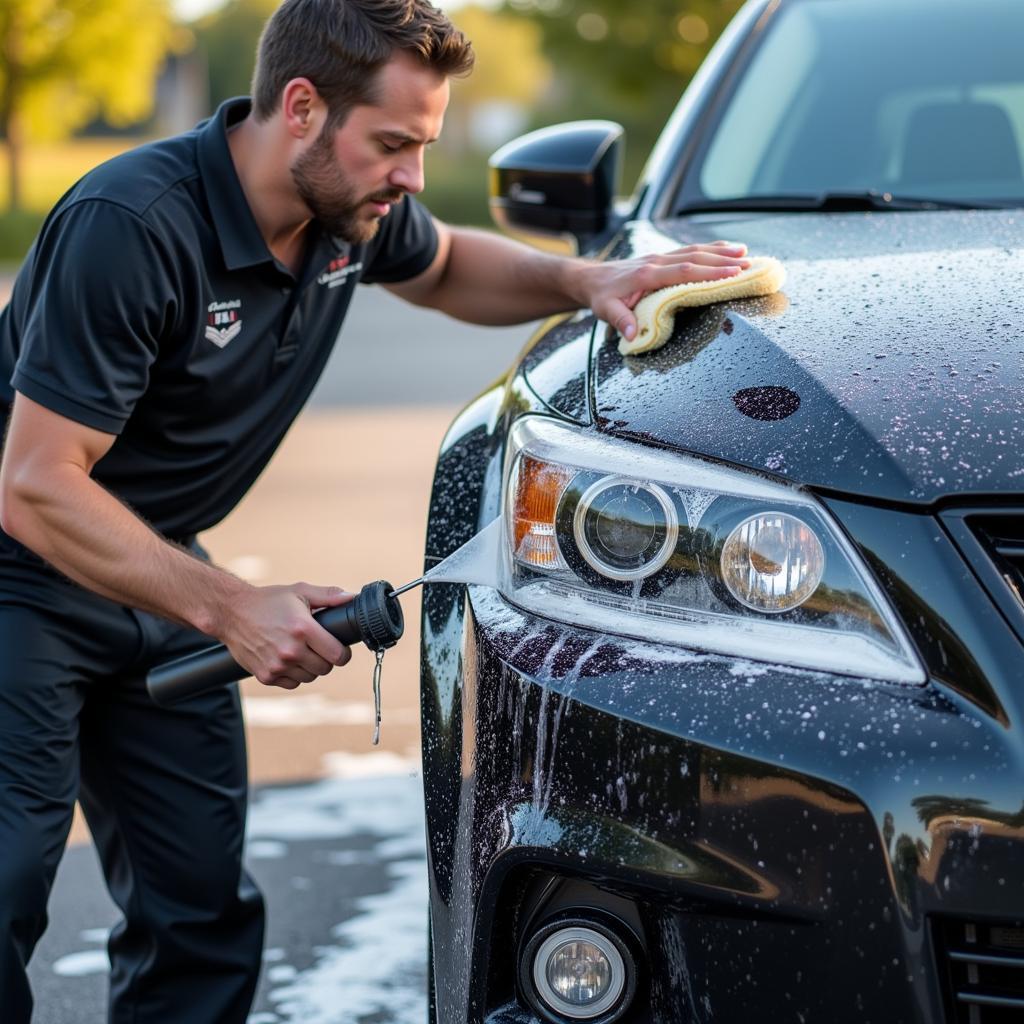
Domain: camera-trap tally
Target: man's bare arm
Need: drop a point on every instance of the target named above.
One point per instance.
(488, 279)
(50, 503)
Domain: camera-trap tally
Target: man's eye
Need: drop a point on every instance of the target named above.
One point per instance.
(389, 148)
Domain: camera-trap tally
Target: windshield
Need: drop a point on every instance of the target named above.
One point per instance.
(918, 98)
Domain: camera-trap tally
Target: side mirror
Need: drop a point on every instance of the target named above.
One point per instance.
(557, 184)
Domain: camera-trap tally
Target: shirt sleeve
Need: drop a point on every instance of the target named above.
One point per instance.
(100, 299)
(405, 244)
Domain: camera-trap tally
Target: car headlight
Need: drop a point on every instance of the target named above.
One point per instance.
(639, 542)
(772, 562)
(625, 530)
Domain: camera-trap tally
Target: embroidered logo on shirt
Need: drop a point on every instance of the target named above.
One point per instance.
(223, 323)
(337, 272)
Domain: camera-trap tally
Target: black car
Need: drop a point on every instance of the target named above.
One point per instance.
(737, 734)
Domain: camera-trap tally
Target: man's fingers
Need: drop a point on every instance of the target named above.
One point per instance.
(618, 314)
(312, 662)
(325, 650)
(679, 273)
(322, 597)
(285, 682)
(728, 248)
(712, 259)
(708, 259)
(326, 647)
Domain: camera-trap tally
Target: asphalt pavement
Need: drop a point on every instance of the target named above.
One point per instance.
(346, 908)
(336, 831)
(391, 353)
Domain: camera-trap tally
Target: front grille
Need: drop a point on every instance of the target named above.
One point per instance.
(981, 964)
(1003, 537)
(993, 542)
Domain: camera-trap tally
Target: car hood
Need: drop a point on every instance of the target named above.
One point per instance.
(891, 365)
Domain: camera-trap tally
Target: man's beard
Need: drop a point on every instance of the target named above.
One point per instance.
(323, 187)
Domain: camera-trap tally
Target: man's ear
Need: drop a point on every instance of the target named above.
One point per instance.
(302, 108)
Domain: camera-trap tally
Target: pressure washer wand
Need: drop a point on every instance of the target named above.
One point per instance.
(408, 586)
(373, 618)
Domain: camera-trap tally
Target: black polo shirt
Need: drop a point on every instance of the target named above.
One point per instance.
(150, 307)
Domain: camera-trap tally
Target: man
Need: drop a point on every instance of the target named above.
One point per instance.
(166, 328)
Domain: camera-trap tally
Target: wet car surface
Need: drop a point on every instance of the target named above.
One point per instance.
(736, 734)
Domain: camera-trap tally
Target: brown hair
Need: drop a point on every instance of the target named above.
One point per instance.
(340, 45)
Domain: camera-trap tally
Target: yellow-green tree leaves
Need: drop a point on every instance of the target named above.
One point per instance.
(65, 62)
(228, 36)
(510, 66)
(626, 60)
(510, 75)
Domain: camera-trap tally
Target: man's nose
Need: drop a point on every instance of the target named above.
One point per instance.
(408, 175)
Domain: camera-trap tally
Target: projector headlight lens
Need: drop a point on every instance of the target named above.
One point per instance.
(772, 562)
(579, 973)
(625, 530)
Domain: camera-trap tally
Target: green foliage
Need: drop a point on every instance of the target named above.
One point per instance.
(456, 189)
(510, 74)
(229, 36)
(18, 229)
(509, 65)
(65, 62)
(625, 61)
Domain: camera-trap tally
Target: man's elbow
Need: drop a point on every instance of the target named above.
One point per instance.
(17, 504)
(11, 512)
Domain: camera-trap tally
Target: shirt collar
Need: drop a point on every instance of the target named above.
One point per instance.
(241, 242)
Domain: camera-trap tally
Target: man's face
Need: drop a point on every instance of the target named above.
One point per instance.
(350, 177)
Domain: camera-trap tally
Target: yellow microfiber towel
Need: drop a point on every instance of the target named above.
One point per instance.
(655, 313)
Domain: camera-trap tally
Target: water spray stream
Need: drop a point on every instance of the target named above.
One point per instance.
(477, 561)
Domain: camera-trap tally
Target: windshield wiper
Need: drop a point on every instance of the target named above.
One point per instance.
(835, 202)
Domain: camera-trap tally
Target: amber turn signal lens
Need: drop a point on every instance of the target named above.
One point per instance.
(538, 488)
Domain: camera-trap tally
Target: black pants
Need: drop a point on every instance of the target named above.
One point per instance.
(164, 792)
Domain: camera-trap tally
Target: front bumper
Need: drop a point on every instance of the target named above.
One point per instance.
(793, 846)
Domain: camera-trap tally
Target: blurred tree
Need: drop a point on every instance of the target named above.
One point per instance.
(65, 62)
(229, 36)
(628, 61)
(510, 74)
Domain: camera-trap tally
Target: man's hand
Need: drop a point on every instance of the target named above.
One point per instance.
(612, 289)
(271, 633)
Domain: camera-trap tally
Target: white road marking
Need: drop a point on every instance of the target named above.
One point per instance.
(77, 965)
(315, 709)
(252, 568)
(340, 764)
(266, 849)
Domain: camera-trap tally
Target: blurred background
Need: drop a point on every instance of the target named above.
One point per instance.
(81, 80)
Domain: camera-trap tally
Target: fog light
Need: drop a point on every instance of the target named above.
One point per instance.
(580, 972)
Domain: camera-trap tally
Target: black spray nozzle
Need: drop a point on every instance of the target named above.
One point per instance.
(373, 618)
